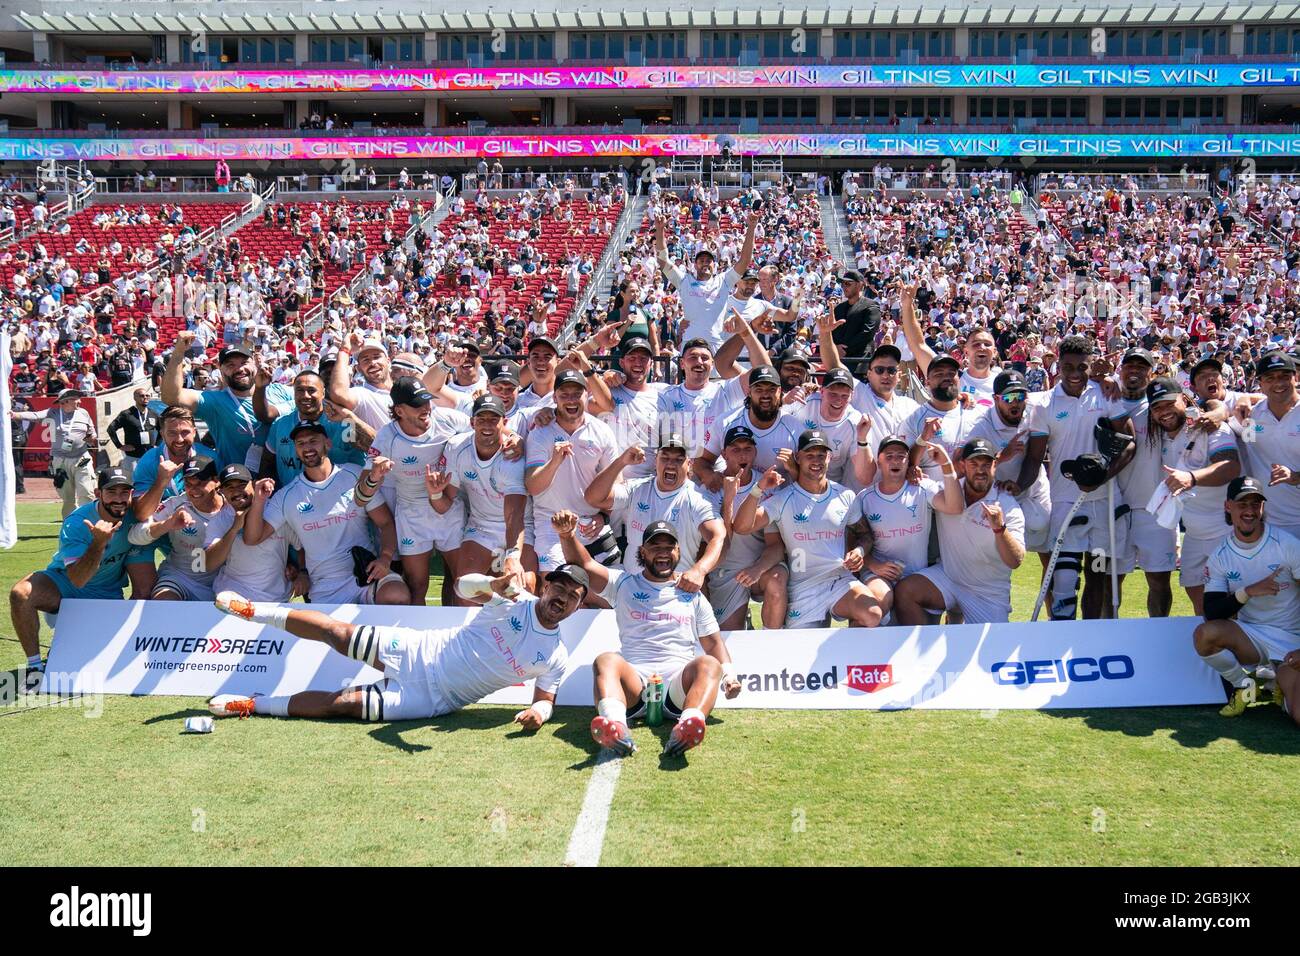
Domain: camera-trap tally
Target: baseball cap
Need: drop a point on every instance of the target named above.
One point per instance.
(235, 473)
(673, 440)
(231, 351)
(1139, 354)
(470, 344)
(739, 433)
(1010, 381)
(634, 343)
(1204, 364)
(543, 340)
(410, 391)
(1163, 389)
(793, 354)
(893, 440)
(68, 393)
(570, 377)
(374, 342)
(655, 528)
(201, 466)
(888, 351)
(838, 376)
(488, 403)
(1275, 362)
(506, 372)
(813, 438)
(851, 275)
(573, 572)
(114, 478)
(303, 428)
(943, 360)
(1244, 486)
(763, 373)
(748, 274)
(979, 447)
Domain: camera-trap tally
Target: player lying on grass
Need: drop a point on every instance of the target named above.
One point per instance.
(1252, 575)
(659, 624)
(429, 673)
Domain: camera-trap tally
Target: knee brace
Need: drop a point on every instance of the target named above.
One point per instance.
(1065, 586)
(363, 645)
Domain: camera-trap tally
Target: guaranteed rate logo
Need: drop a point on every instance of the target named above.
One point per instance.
(869, 678)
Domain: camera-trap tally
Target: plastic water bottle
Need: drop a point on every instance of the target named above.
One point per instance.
(654, 701)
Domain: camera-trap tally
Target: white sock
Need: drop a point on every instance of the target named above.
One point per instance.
(34, 660)
(690, 712)
(273, 614)
(1227, 666)
(612, 709)
(271, 706)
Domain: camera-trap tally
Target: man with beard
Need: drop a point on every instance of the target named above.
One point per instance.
(1270, 437)
(1196, 467)
(750, 565)
(944, 419)
(635, 411)
(894, 516)
(514, 637)
(1062, 428)
(1150, 546)
(157, 475)
(468, 376)
(981, 352)
(795, 368)
(704, 295)
(665, 495)
(762, 415)
(200, 528)
(259, 572)
(756, 309)
(372, 401)
(1266, 609)
(562, 459)
(322, 509)
(813, 518)
(1006, 425)
(659, 625)
(1206, 379)
(415, 442)
(855, 318)
(349, 436)
(228, 411)
(979, 549)
(134, 430)
(91, 563)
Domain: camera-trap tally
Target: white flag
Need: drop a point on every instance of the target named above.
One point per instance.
(8, 476)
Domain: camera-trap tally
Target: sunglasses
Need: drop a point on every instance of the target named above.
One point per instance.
(885, 369)
(1014, 398)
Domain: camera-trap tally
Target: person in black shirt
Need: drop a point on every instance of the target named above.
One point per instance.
(861, 317)
(134, 430)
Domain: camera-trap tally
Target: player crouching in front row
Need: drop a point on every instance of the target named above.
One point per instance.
(1267, 609)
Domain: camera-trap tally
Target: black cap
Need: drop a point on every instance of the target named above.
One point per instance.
(573, 573)
(235, 473)
(739, 433)
(201, 466)
(978, 447)
(794, 354)
(543, 340)
(506, 372)
(569, 377)
(409, 390)
(69, 393)
(814, 438)
(307, 427)
(943, 360)
(488, 403)
(850, 275)
(838, 376)
(1140, 355)
(763, 373)
(1243, 486)
(114, 478)
(470, 344)
(1010, 381)
(1204, 364)
(889, 351)
(657, 528)
(1163, 389)
(893, 440)
(749, 274)
(673, 440)
(636, 342)
(232, 350)
(1275, 362)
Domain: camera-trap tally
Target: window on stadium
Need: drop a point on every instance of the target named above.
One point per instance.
(1004, 110)
(1266, 40)
(881, 110)
(401, 48)
(1006, 44)
(478, 46)
(767, 44)
(1158, 41)
(880, 44)
(649, 45)
(259, 49)
(1156, 110)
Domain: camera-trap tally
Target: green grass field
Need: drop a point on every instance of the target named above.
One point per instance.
(1165, 786)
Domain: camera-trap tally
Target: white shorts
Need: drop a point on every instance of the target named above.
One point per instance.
(1195, 558)
(1273, 643)
(726, 594)
(420, 529)
(408, 690)
(1148, 546)
(349, 592)
(486, 534)
(674, 684)
(189, 588)
(1089, 528)
(811, 602)
(975, 608)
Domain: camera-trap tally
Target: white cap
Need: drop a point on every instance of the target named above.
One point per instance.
(373, 342)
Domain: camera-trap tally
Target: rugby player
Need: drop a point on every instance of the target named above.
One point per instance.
(763, 415)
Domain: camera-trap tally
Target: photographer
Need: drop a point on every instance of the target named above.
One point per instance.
(72, 448)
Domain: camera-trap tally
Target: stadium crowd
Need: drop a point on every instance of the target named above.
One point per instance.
(879, 440)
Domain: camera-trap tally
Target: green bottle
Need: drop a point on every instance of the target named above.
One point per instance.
(654, 701)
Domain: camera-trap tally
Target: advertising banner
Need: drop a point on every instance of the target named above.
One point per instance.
(142, 647)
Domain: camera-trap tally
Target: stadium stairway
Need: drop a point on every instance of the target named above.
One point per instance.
(837, 238)
(598, 288)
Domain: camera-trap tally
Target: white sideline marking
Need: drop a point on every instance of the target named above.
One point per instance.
(589, 832)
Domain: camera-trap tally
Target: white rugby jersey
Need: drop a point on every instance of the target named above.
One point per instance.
(374, 405)
(693, 413)
(504, 644)
(633, 422)
(412, 455)
(639, 502)
(1138, 481)
(1068, 424)
(483, 484)
(206, 531)
(1188, 451)
(968, 548)
(1272, 442)
(258, 572)
(812, 527)
(900, 523)
(517, 419)
(1238, 565)
(742, 549)
(991, 426)
(528, 399)
(980, 389)
(593, 450)
(657, 623)
(955, 426)
(843, 434)
(887, 417)
(325, 518)
(782, 433)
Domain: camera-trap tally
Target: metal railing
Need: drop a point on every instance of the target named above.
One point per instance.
(1148, 182)
(338, 182)
(633, 212)
(508, 179)
(168, 184)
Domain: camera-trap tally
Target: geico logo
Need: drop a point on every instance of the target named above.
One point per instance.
(870, 677)
(1063, 670)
